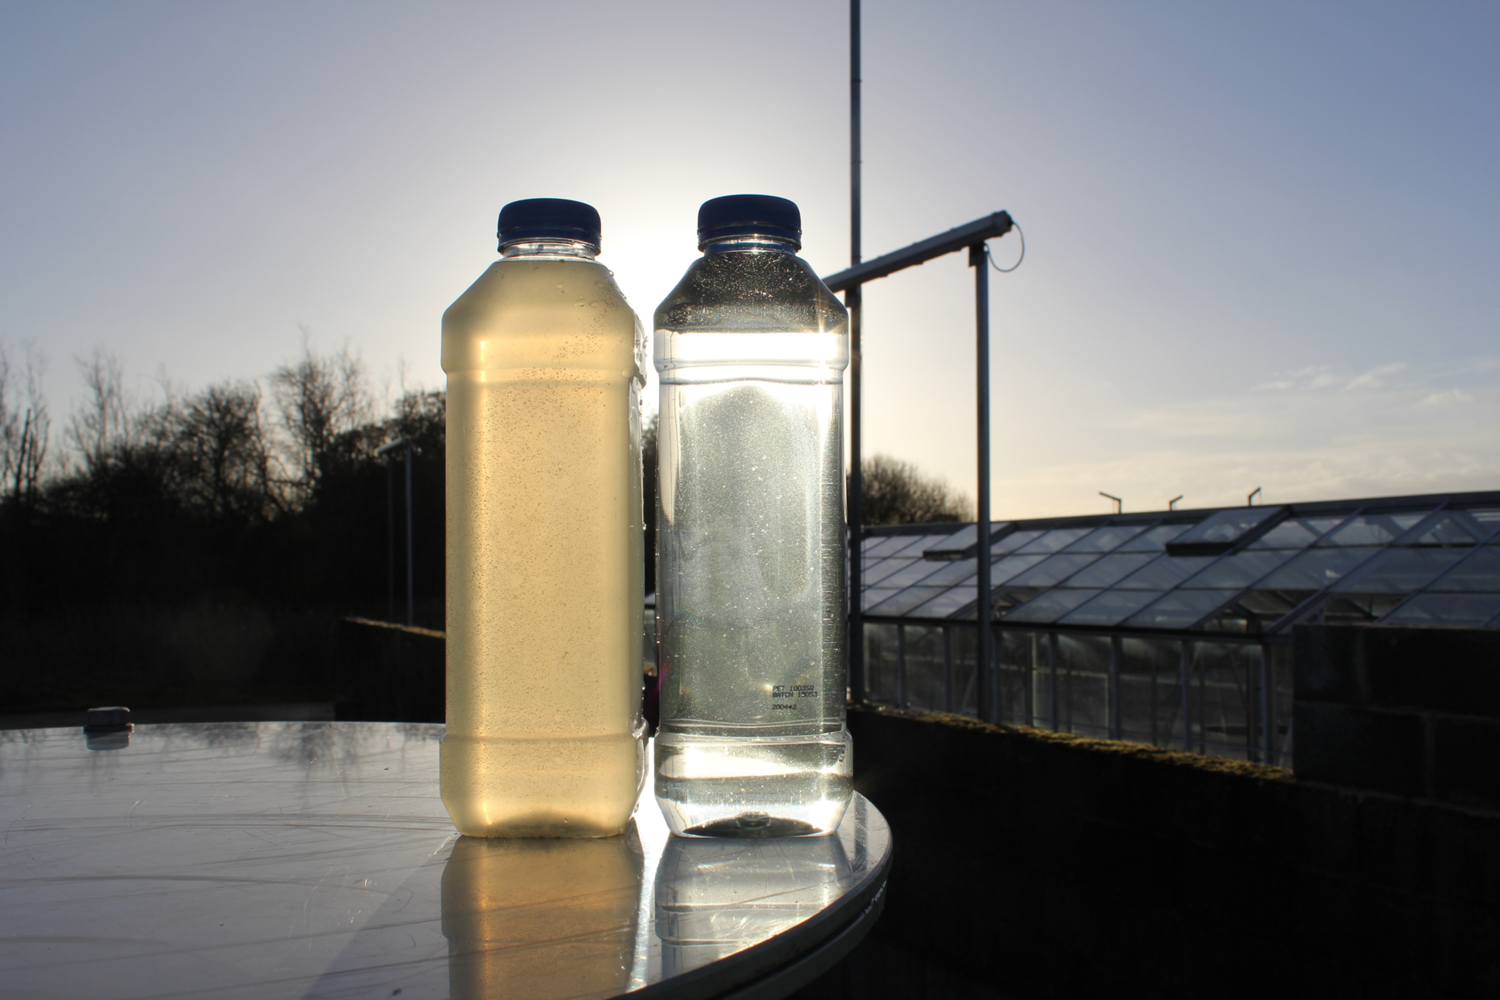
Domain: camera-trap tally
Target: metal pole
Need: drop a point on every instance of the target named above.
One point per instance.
(410, 592)
(390, 540)
(854, 302)
(979, 261)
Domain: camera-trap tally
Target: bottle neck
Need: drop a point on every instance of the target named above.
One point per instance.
(748, 243)
(549, 248)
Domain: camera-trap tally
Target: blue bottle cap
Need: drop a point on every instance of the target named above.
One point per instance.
(749, 214)
(549, 219)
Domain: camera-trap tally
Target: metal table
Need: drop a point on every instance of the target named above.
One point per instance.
(314, 859)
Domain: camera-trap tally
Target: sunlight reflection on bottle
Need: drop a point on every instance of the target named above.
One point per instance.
(715, 897)
(541, 918)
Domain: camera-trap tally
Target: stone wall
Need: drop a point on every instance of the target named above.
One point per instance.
(387, 673)
(1032, 864)
(1405, 711)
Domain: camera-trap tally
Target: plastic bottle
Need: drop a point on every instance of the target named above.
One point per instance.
(545, 581)
(751, 347)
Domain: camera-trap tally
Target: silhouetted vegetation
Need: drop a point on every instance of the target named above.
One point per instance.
(895, 492)
(197, 548)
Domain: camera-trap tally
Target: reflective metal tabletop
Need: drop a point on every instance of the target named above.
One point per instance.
(314, 859)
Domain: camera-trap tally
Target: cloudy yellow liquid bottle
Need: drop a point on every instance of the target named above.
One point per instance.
(545, 563)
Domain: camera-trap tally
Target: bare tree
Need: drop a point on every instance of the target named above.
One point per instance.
(222, 457)
(25, 427)
(320, 399)
(895, 492)
(104, 425)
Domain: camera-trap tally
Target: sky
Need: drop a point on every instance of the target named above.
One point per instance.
(1261, 238)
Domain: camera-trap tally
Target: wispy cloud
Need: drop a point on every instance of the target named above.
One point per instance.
(1375, 378)
(1326, 377)
(1447, 397)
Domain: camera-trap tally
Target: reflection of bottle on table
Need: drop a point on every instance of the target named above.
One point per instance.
(716, 897)
(541, 918)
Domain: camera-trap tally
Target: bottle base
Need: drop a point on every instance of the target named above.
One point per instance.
(753, 787)
(581, 787)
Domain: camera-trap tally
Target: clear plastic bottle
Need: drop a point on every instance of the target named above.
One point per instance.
(545, 365)
(751, 347)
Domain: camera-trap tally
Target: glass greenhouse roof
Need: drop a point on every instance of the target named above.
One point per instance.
(1429, 560)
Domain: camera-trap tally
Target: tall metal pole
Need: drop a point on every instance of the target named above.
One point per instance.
(411, 602)
(854, 302)
(985, 668)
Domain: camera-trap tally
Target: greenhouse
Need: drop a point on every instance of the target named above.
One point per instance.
(1171, 628)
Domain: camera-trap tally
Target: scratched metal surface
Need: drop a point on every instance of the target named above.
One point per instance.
(314, 859)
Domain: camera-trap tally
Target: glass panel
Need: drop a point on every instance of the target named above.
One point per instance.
(1219, 698)
(959, 540)
(1316, 569)
(884, 568)
(1445, 609)
(1008, 597)
(957, 571)
(885, 545)
(1110, 569)
(1111, 607)
(1165, 573)
(1265, 602)
(876, 595)
(917, 544)
(1444, 528)
(1236, 571)
(1020, 657)
(903, 601)
(915, 571)
(1058, 538)
(923, 653)
(1083, 685)
(880, 661)
(1014, 541)
(1358, 608)
(1179, 609)
(1479, 572)
(1154, 539)
(1150, 692)
(1053, 571)
(1048, 607)
(1227, 525)
(964, 690)
(1296, 533)
(1372, 529)
(1105, 539)
(948, 602)
(1010, 566)
(1280, 669)
(1400, 571)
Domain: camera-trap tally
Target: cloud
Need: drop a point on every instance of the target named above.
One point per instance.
(1447, 396)
(1325, 377)
(1375, 378)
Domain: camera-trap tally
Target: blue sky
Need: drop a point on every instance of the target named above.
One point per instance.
(1261, 237)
